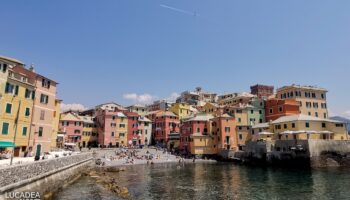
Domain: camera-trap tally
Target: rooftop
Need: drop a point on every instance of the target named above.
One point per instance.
(305, 87)
(301, 117)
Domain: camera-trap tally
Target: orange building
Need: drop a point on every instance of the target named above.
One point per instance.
(276, 108)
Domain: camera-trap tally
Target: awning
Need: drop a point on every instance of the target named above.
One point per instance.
(4, 144)
(69, 144)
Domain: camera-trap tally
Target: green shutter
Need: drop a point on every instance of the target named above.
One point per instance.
(8, 108)
(40, 131)
(5, 128)
(27, 112)
(16, 90)
(24, 132)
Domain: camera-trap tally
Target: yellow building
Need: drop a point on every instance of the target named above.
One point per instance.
(121, 129)
(16, 106)
(210, 108)
(304, 127)
(313, 101)
(182, 110)
(89, 135)
(139, 109)
(55, 123)
(204, 144)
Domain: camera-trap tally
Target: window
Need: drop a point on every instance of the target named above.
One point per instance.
(293, 125)
(285, 126)
(5, 128)
(239, 120)
(8, 108)
(24, 131)
(240, 136)
(307, 124)
(198, 130)
(4, 67)
(42, 115)
(45, 83)
(316, 114)
(9, 88)
(280, 108)
(323, 125)
(27, 94)
(271, 110)
(252, 112)
(322, 96)
(76, 131)
(27, 112)
(40, 132)
(260, 112)
(112, 134)
(44, 99)
(227, 129)
(16, 90)
(325, 115)
(339, 125)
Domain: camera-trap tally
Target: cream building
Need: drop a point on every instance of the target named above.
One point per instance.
(304, 127)
(313, 100)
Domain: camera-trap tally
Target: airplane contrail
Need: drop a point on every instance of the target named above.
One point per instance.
(179, 10)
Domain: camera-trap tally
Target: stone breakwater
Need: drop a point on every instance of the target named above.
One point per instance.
(300, 153)
(45, 176)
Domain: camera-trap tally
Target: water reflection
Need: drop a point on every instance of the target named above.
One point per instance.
(220, 181)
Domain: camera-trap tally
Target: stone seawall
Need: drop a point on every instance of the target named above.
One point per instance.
(43, 176)
(302, 153)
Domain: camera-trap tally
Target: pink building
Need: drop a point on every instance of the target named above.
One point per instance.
(71, 125)
(199, 124)
(42, 130)
(133, 131)
(106, 126)
(164, 123)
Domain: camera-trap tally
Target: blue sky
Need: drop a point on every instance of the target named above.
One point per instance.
(99, 52)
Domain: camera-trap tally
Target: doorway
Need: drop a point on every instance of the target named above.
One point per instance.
(38, 150)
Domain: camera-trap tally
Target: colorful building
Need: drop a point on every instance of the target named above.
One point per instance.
(42, 130)
(55, 125)
(182, 110)
(276, 108)
(164, 124)
(71, 125)
(195, 135)
(224, 127)
(305, 127)
(194, 97)
(16, 104)
(90, 133)
(256, 111)
(121, 121)
(133, 136)
(141, 110)
(312, 100)
(145, 129)
(262, 91)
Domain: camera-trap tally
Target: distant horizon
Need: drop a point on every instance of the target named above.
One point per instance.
(130, 52)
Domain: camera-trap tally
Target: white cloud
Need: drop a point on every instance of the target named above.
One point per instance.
(72, 106)
(142, 98)
(173, 96)
(345, 113)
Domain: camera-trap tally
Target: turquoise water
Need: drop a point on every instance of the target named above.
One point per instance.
(218, 181)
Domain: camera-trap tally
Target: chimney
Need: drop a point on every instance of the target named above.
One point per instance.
(31, 68)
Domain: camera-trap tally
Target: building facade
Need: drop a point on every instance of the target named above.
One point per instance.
(312, 100)
(276, 108)
(262, 91)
